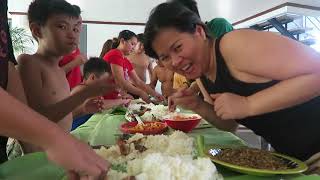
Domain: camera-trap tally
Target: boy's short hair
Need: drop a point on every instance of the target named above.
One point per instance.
(40, 10)
(97, 66)
(77, 9)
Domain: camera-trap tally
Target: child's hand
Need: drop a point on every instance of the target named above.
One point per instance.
(127, 96)
(126, 102)
(102, 86)
(92, 106)
(110, 103)
(81, 59)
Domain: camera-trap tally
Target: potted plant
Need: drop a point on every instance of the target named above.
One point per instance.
(20, 40)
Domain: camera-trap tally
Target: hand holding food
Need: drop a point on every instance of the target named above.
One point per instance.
(185, 98)
(230, 106)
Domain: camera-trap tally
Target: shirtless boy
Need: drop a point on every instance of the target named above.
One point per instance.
(165, 76)
(55, 25)
(141, 62)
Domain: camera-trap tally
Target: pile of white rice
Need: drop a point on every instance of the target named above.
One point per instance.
(157, 111)
(166, 157)
(159, 166)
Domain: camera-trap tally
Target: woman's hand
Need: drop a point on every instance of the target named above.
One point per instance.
(230, 106)
(184, 98)
(145, 97)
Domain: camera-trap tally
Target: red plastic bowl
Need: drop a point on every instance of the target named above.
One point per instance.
(128, 128)
(185, 125)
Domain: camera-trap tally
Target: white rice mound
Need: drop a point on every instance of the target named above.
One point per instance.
(158, 166)
(157, 111)
(177, 143)
(167, 157)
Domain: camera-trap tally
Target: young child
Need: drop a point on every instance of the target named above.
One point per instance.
(25, 124)
(54, 24)
(165, 76)
(93, 70)
(140, 61)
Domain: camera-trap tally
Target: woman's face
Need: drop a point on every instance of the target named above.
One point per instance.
(181, 52)
(129, 45)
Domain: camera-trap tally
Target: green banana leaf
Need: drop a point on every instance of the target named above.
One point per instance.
(31, 167)
(101, 129)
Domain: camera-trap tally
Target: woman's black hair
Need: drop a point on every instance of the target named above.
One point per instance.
(107, 46)
(190, 4)
(169, 15)
(125, 35)
(140, 37)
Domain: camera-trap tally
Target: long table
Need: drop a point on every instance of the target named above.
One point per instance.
(101, 129)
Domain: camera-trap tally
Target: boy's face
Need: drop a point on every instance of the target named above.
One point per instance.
(60, 34)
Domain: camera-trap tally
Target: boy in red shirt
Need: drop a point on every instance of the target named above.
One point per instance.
(71, 63)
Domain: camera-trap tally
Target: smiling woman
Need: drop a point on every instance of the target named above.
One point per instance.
(252, 79)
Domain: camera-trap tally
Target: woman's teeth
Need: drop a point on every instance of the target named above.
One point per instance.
(185, 68)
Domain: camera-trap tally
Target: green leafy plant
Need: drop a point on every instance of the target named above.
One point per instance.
(20, 39)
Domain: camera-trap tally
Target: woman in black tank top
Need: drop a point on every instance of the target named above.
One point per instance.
(267, 82)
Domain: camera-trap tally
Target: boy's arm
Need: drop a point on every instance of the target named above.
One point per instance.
(79, 60)
(78, 111)
(138, 82)
(150, 69)
(154, 78)
(117, 72)
(30, 72)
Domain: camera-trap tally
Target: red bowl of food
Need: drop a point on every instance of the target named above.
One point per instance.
(183, 122)
(153, 127)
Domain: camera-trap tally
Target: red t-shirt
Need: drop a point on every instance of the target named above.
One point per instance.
(74, 76)
(115, 56)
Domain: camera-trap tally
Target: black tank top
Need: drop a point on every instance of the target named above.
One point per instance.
(6, 55)
(294, 131)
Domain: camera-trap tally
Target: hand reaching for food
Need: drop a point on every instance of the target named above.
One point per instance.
(93, 105)
(108, 103)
